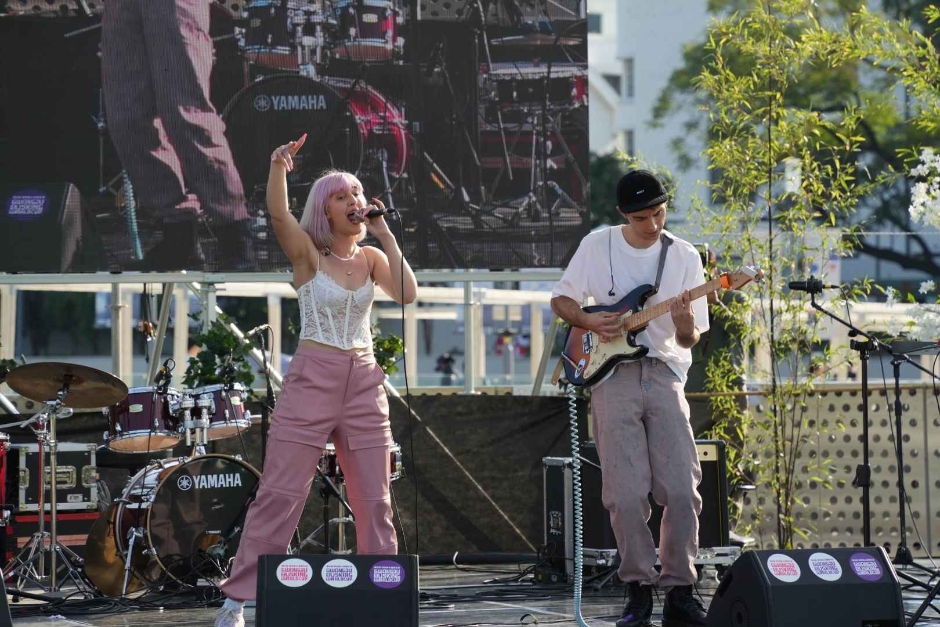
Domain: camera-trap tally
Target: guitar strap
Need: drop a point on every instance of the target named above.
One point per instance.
(667, 242)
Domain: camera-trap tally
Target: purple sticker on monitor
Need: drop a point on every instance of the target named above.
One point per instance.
(387, 574)
(866, 566)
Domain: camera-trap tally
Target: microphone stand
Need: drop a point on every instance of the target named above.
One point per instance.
(903, 556)
(862, 471)
(268, 403)
(862, 479)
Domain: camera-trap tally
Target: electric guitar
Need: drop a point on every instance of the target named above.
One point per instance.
(588, 359)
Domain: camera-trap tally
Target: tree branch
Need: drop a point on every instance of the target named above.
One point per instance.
(923, 263)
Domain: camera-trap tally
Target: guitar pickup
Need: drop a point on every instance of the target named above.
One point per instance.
(587, 343)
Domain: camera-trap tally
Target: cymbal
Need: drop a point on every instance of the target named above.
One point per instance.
(88, 387)
(104, 564)
(536, 39)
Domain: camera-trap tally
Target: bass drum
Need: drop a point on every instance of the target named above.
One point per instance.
(278, 109)
(182, 509)
(351, 125)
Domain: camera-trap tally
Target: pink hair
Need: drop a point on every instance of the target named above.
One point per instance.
(314, 220)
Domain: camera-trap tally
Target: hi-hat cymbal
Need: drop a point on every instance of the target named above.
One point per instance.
(88, 387)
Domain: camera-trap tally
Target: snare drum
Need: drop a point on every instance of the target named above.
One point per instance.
(368, 30)
(227, 414)
(330, 468)
(143, 421)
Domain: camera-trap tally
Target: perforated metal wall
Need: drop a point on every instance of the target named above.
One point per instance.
(832, 450)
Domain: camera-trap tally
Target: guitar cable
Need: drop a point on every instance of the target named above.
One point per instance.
(576, 490)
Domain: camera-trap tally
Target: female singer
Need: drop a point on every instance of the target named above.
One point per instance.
(333, 388)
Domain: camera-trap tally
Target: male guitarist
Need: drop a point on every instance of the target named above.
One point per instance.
(640, 414)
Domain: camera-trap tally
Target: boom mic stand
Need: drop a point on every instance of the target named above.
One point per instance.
(862, 479)
(903, 556)
(862, 471)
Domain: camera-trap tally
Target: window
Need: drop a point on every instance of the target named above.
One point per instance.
(628, 78)
(614, 81)
(628, 143)
(594, 22)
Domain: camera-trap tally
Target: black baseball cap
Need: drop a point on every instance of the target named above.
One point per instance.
(638, 190)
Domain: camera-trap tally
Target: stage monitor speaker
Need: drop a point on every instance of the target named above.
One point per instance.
(333, 591)
(40, 227)
(809, 588)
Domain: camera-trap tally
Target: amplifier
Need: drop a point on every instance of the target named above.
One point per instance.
(598, 536)
(76, 481)
(329, 591)
(40, 227)
(809, 588)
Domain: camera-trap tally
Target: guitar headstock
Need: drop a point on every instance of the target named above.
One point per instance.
(741, 277)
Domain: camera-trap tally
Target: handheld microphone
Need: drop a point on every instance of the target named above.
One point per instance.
(811, 285)
(258, 329)
(375, 213)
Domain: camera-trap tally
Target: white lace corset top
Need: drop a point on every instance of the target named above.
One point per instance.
(333, 315)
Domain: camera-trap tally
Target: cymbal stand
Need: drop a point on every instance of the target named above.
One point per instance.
(328, 489)
(481, 23)
(24, 565)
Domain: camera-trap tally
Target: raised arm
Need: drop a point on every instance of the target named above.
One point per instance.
(294, 240)
(387, 267)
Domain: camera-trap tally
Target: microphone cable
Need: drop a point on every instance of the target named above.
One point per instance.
(411, 437)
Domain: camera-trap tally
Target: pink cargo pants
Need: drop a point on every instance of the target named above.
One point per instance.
(326, 394)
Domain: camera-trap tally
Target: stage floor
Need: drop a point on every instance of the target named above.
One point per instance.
(450, 598)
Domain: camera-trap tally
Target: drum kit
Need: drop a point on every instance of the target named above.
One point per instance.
(289, 45)
(178, 520)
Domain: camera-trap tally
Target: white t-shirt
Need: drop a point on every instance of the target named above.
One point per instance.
(588, 277)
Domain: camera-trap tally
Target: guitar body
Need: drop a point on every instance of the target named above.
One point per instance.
(587, 359)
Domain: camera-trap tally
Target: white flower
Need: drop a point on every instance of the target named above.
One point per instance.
(894, 326)
(891, 297)
(927, 286)
(926, 323)
(925, 193)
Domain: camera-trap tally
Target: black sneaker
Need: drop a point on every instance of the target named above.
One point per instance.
(639, 609)
(683, 609)
(236, 247)
(178, 250)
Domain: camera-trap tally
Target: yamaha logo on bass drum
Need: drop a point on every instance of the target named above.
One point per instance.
(293, 102)
(203, 482)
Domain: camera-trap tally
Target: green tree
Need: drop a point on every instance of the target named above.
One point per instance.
(862, 79)
(753, 63)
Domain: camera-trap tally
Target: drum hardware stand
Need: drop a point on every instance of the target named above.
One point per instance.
(479, 29)
(133, 535)
(22, 565)
(328, 489)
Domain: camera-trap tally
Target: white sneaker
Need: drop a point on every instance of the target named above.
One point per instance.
(228, 617)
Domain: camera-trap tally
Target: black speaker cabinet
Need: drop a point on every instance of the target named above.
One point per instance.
(809, 588)
(713, 521)
(40, 227)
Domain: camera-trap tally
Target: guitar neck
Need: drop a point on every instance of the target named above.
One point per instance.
(643, 317)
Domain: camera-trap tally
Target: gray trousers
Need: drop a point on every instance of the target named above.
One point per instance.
(156, 58)
(645, 444)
